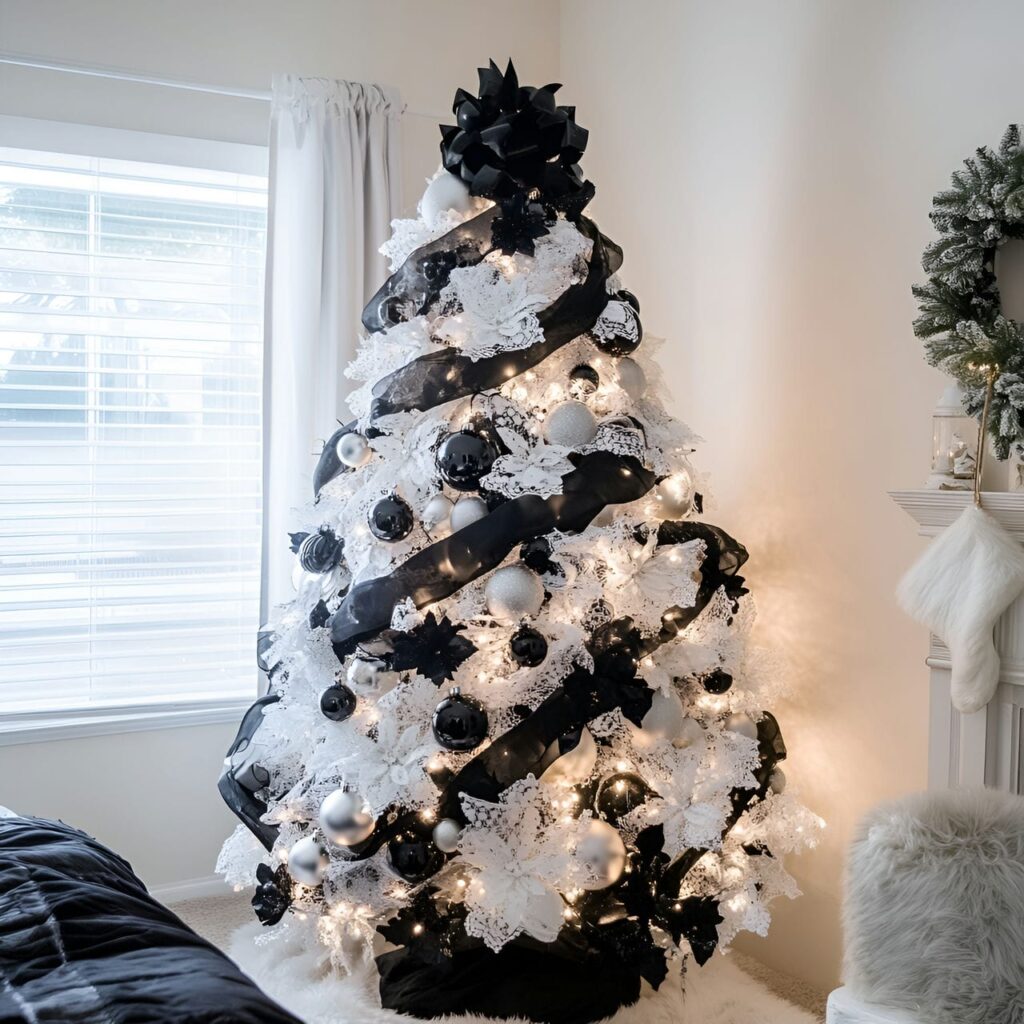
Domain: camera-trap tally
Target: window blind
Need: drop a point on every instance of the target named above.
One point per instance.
(131, 299)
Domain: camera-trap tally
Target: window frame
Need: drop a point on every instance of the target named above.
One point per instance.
(115, 143)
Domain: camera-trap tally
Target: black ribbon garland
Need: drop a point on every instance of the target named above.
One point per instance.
(600, 478)
(417, 283)
(442, 376)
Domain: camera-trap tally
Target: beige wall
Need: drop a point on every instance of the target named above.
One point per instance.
(152, 796)
(768, 166)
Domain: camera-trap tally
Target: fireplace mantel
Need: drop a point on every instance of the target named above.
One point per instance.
(984, 748)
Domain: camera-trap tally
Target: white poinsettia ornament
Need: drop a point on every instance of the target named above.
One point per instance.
(519, 850)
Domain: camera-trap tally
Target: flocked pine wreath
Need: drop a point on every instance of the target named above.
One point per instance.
(960, 315)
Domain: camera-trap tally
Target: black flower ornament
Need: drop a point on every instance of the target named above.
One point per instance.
(695, 919)
(518, 225)
(433, 648)
(273, 893)
(513, 138)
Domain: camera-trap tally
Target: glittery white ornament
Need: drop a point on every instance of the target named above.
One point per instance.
(436, 517)
(447, 833)
(353, 449)
(690, 732)
(514, 591)
(632, 378)
(466, 511)
(743, 724)
(570, 424)
(445, 192)
(675, 495)
(665, 718)
(602, 855)
(575, 766)
(345, 819)
(307, 861)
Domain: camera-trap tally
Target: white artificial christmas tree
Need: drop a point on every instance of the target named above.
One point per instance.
(515, 746)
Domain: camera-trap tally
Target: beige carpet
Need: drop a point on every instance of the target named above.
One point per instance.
(217, 918)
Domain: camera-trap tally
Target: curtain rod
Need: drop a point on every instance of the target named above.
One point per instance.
(124, 75)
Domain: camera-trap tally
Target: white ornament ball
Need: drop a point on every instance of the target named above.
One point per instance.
(445, 192)
(345, 819)
(602, 855)
(632, 378)
(307, 861)
(353, 450)
(570, 424)
(743, 724)
(675, 495)
(777, 781)
(513, 591)
(436, 516)
(363, 673)
(447, 833)
(467, 510)
(666, 717)
(575, 766)
(690, 732)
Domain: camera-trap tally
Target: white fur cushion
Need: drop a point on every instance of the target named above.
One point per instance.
(934, 910)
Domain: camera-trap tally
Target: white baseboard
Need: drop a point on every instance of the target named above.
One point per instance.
(190, 889)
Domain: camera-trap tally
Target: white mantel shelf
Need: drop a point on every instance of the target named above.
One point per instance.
(933, 511)
(986, 748)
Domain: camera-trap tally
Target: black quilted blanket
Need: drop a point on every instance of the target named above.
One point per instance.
(82, 942)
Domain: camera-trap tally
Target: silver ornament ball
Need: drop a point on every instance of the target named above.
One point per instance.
(353, 450)
(665, 718)
(447, 833)
(345, 819)
(445, 192)
(512, 592)
(743, 724)
(570, 424)
(466, 511)
(690, 732)
(363, 673)
(777, 781)
(602, 855)
(675, 495)
(632, 378)
(307, 861)
(436, 514)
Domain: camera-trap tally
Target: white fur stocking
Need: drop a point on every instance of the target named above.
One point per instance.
(958, 588)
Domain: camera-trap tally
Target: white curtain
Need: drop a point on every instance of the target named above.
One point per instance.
(334, 188)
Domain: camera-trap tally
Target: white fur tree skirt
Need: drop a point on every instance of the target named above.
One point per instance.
(718, 993)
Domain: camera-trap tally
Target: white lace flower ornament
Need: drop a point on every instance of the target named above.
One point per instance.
(498, 314)
(519, 853)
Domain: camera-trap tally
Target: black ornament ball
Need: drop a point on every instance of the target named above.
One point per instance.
(618, 331)
(337, 702)
(536, 555)
(320, 551)
(621, 793)
(624, 295)
(528, 647)
(583, 381)
(412, 854)
(464, 457)
(459, 722)
(391, 518)
(717, 681)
